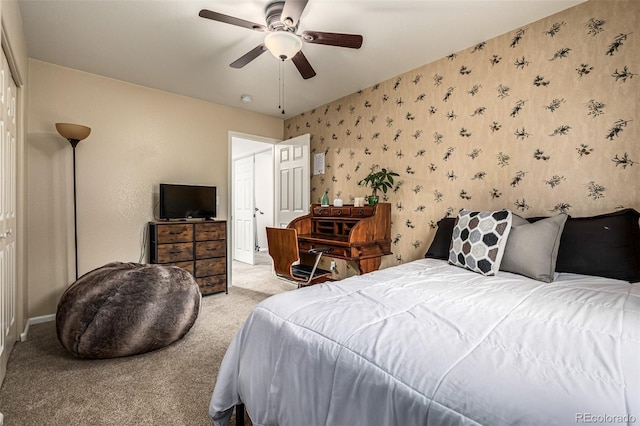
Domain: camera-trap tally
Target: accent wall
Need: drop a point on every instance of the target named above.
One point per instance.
(541, 120)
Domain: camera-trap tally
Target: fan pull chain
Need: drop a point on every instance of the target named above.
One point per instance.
(281, 86)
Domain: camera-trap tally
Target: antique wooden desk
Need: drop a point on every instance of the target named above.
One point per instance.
(358, 234)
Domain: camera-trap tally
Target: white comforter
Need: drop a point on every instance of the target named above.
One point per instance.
(426, 343)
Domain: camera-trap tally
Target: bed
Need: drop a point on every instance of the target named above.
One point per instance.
(432, 343)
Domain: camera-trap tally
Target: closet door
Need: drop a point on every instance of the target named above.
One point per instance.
(8, 188)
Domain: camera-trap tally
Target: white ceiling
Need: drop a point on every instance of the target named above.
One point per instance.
(164, 44)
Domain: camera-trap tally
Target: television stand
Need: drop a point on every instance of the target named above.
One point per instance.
(197, 245)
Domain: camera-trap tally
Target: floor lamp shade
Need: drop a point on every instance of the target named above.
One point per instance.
(74, 133)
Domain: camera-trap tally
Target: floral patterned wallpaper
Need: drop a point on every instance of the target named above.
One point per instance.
(540, 120)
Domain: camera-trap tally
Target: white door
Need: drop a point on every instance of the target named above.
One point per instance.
(8, 185)
(243, 209)
(293, 179)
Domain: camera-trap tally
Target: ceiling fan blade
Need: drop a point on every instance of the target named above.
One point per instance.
(204, 13)
(352, 41)
(303, 65)
(249, 56)
(291, 12)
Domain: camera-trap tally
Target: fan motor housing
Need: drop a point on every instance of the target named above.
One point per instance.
(273, 14)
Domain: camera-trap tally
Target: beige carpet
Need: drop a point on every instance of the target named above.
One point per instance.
(45, 385)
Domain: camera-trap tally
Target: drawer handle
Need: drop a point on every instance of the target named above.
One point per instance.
(175, 232)
(361, 212)
(339, 212)
(175, 251)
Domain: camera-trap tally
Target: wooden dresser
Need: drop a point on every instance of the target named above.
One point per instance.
(200, 247)
(358, 234)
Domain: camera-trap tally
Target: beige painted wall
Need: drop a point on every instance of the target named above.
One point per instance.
(542, 119)
(140, 137)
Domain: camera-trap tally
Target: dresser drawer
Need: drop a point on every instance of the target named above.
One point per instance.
(341, 211)
(174, 233)
(365, 211)
(168, 253)
(211, 231)
(206, 249)
(214, 266)
(212, 284)
(322, 211)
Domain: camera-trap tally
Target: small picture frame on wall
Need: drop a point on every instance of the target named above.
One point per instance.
(318, 164)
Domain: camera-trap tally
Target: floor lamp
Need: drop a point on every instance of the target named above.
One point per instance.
(74, 133)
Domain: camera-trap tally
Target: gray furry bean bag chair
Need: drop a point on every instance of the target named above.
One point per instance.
(125, 309)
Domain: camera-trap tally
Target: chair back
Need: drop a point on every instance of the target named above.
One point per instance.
(283, 249)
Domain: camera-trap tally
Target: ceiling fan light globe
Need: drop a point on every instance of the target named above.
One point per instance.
(283, 44)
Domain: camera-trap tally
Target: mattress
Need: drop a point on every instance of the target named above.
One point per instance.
(428, 343)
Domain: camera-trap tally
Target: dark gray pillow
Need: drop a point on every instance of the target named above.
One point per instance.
(439, 248)
(606, 245)
(532, 248)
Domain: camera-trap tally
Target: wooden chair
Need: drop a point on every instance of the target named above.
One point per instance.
(283, 249)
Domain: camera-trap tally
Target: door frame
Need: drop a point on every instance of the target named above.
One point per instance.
(238, 136)
(234, 136)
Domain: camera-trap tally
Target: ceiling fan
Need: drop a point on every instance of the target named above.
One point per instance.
(282, 19)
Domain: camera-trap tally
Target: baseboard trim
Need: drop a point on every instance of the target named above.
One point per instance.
(35, 320)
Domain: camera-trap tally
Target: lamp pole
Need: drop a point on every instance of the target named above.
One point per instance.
(74, 143)
(74, 133)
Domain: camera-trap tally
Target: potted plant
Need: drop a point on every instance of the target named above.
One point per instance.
(378, 180)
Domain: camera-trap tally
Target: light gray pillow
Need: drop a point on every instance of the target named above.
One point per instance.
(532, 248)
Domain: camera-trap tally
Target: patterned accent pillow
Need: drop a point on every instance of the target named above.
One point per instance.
(479, 239)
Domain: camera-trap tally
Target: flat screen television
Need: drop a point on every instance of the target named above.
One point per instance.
(187, 201)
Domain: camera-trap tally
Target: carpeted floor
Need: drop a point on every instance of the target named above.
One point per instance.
(45, 385)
